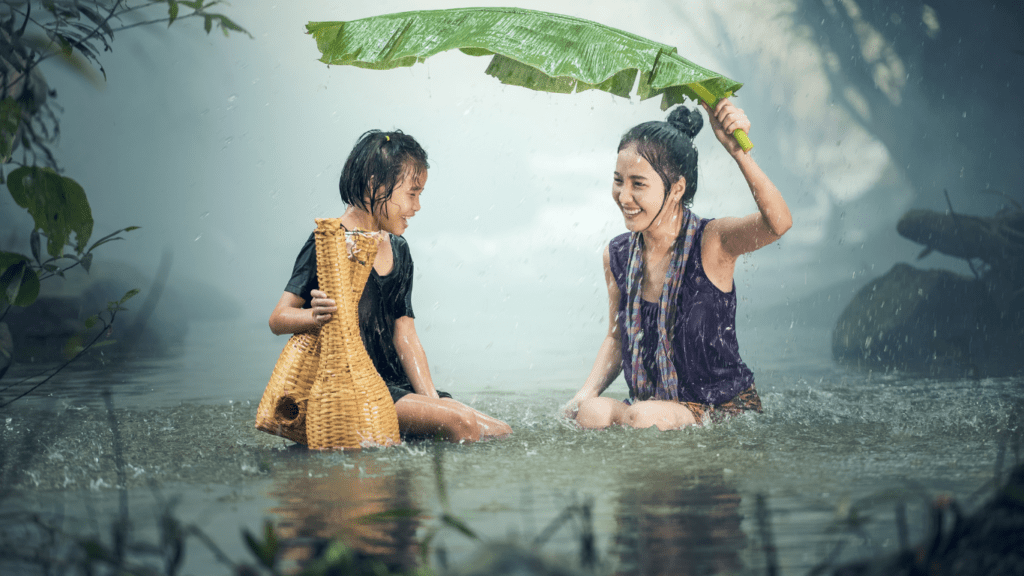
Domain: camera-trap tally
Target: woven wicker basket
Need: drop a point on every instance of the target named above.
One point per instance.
(349, 404)
(324, 390)
(282, 410)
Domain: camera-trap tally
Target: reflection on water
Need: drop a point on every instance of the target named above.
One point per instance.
(369, 512)
(678, 524)
(677, 502)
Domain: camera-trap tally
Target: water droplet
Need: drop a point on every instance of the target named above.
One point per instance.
(232, 98)
(204, 215)
(197, 238)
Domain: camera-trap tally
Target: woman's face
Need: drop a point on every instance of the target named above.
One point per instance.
(393, 216)
(637, 189)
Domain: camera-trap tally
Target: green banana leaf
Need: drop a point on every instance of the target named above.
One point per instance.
(536, 50)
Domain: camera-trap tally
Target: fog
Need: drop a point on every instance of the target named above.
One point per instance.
(224, 150)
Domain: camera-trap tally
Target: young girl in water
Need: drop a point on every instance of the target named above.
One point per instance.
(381, 185)
(671, 298)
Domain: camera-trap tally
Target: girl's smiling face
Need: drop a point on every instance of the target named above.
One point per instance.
(394, 214)
(637, 189)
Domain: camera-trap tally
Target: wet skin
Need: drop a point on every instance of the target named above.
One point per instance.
(648, 208)
(422, 413)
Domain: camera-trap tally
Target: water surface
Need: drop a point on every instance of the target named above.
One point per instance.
(830, 459)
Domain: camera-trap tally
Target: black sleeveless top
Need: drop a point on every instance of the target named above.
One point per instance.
(385, 299)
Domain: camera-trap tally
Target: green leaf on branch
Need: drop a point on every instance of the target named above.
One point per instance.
(91, 321)
(226, 24)
(73, 346)
(10, 120)
(128, 295)
(208, 24)
(57, 204)
(172, 11)
(86, 262)
(19, 283)
(101, 22)
(65, 46)
(111, 237)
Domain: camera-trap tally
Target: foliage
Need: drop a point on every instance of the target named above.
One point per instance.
(538, 50)
(74, 33)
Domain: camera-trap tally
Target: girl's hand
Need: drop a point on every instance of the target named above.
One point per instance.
(725, 119)
(323, 308)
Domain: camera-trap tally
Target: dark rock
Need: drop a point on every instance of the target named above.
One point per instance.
(933, 322)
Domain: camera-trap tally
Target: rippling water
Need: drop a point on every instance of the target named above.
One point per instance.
(830, 459)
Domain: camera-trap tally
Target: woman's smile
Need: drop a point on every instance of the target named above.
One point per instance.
(637, 189)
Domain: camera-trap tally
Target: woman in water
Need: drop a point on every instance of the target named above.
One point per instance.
(381, 185)
(671, 298)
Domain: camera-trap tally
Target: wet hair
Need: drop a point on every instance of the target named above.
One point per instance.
(378, 163)
(668, 148)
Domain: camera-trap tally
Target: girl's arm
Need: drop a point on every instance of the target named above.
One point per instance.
(413, 357)
(608, 363)
(289, 317)
(738, 236)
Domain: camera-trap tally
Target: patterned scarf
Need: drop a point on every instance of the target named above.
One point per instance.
(641, 387)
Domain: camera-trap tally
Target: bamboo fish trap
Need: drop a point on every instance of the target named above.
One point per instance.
(325, 391)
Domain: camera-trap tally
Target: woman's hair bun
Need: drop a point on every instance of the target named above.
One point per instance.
(686, 120)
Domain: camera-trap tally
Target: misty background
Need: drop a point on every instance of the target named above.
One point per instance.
(224, 150)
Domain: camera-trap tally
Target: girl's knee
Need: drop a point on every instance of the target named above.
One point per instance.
(464, 427)
(499, 429)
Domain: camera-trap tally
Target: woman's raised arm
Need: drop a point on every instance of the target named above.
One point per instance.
(739, 236)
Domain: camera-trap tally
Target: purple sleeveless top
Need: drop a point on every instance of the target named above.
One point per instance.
(705, 351)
